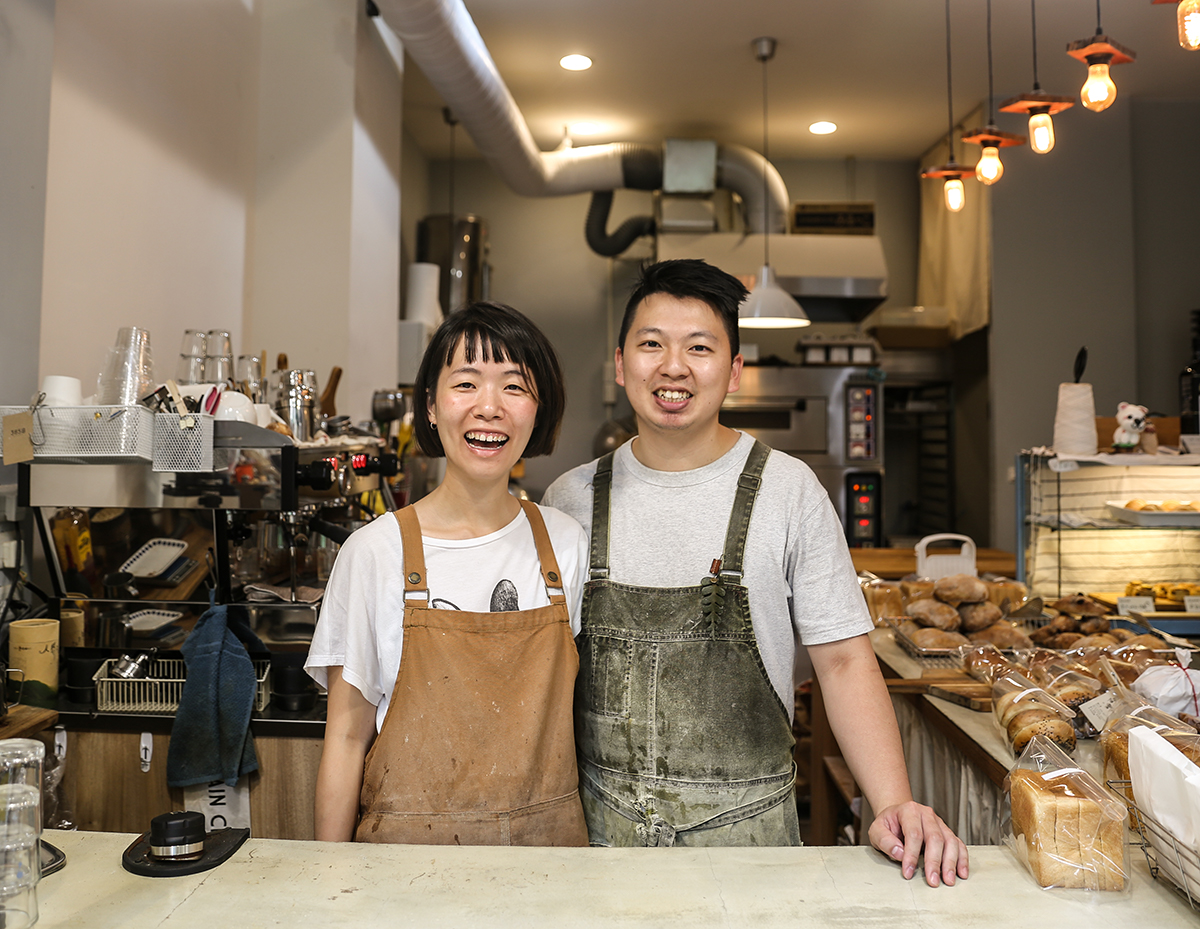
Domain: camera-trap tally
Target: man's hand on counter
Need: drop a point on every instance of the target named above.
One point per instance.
(900, 831)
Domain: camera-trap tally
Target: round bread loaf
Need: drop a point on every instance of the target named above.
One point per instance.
(1094, 625)
(1002, 634)
(960, 588)
(937, 638)
(1073, 695)
(934, 613)
(1025, 717)
(976, 616)
(1064, 640)
(1057, 730)
(1099, 640)
(1008, 705)
(1121, 635)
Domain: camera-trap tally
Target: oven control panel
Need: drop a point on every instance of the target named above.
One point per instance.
(864, 509)
(862, 422)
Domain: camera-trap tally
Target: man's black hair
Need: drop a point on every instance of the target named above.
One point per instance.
(493, 332)
(690, 277)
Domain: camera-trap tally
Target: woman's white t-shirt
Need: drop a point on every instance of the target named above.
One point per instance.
(361, 627)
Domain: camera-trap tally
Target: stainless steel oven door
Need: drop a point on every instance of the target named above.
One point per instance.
(797, 425)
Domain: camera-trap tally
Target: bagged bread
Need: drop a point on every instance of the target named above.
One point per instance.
(934, 613)
(960, 588)
(916, 588)
(1114, 740)
(976, 616)
(984, 662)
(884, 598)
(1013, 694)
(1067, 828)
(1002, 590)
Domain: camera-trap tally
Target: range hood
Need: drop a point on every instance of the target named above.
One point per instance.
(836, 278)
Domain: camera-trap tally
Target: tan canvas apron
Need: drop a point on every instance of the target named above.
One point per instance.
(477, 747)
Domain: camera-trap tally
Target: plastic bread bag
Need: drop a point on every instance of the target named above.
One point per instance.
(985, 662)
(1174, 688)
(1023, 710)
(1007, 594)
(1110, 671)
(884, 598)
(913, 587)
(1167, 783)
(1067, 828)
(1114, 740)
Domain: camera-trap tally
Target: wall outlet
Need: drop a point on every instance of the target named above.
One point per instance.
(1011, 474)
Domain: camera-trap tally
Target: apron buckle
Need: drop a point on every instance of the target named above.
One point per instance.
(654, 831)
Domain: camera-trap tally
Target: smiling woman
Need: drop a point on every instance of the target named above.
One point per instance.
(480, 594)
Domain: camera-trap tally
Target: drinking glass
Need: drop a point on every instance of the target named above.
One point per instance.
(195, 343)
(248, 377)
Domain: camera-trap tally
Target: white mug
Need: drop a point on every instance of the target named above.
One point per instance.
(62, 391)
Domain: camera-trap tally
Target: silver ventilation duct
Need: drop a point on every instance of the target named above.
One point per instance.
(442, 39)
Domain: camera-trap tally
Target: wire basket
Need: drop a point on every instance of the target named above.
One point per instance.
(161, 690)
(1168, 859)
(926, 657)
(180, 448)
(90, 433)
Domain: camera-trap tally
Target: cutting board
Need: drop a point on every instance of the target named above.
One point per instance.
(975, 695)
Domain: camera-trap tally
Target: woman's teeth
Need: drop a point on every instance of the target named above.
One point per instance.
(486, 439)
(672, 396)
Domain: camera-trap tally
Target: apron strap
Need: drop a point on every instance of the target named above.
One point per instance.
(415, 580)
(551, 575)
(743, 505)
(601, 497)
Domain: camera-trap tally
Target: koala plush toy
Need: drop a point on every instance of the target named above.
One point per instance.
(1131, 421)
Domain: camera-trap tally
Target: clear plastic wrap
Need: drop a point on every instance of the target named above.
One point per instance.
(1023, 711)
(985, 662)
(1007, 594)
(1066, 827)
(1114, 739)
(884, 598)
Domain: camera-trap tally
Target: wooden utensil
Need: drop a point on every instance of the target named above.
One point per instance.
(328, 406)
(281, 362)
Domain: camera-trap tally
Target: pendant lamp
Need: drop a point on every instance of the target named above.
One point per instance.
(1188, 15)
(951, 172)
(1039, 106)
(988, 169)
(768, 306)
(1099, 52)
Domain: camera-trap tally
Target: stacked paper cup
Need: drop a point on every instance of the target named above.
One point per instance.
(1075, 420)
(21, 830)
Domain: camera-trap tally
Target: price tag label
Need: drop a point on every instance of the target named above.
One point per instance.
(18, 437)
(1127, 605)
(1191, 604)
(1096, 710)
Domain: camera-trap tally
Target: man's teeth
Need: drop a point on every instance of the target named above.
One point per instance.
(487, 439)
(672, 396)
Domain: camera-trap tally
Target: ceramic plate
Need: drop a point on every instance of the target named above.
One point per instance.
(1174, 519)
(155, 557)
(150, 620)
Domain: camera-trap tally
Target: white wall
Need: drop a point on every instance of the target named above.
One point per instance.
(26, 52)
(1063, 277)
(543, 266)
(145, 205)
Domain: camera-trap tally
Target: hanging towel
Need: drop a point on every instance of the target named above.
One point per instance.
(211, 740)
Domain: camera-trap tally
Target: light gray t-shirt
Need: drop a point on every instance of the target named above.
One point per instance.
(668, 526)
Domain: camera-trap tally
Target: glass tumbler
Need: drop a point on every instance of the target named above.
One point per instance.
(195, 343)
(20, 854)
(248, 377)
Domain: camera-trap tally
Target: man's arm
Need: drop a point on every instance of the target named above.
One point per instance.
(349, 731)
(861, 716)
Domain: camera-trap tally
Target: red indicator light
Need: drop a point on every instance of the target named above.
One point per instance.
(864, 499)
(864, 522)
(868, 417)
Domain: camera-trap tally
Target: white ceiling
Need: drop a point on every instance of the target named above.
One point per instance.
(686, 68)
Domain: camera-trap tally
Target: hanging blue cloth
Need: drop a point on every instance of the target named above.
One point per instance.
(210, 739)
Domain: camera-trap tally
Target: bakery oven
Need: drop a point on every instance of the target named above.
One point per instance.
(831, 417)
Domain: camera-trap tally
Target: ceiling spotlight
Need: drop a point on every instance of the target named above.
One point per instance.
(584, 128)
(823, 127)
(575, 62)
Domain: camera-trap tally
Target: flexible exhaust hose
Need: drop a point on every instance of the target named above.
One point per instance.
(596, 229)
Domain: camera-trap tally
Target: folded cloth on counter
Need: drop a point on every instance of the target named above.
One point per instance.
(211, 740)
(274, 593)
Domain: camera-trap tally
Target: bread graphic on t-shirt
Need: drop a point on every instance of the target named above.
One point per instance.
(504, 599)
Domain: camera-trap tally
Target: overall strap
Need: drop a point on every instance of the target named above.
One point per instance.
(551, 575)
(743, 505)
(415, 581)
(601, 498)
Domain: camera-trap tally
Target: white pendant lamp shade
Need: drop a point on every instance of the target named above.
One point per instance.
(769, 306)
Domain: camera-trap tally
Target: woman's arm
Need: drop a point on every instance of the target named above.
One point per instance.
(349, 731)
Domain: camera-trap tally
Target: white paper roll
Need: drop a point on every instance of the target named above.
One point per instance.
(1075, 420)
(62, 391)
(422, 304)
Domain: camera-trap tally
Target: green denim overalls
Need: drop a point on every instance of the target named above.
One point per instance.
(682, 738)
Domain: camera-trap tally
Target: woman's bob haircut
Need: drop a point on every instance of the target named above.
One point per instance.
(493, 332)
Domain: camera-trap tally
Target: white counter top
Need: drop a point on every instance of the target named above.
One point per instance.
(271, 882)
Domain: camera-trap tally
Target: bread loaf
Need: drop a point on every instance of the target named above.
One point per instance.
(1028, 723)
(884, 598)
(934, 613)
(908, 627)
(985, 662)
(1072, 840)
(919, 589)
(1002, 589)
(1002, 634)
(976, 616)
(1063, 640)
(937, 638)
(1099, 640)
(1094, 625)
(960, 588)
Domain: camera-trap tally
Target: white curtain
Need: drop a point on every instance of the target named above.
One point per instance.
(955, 259)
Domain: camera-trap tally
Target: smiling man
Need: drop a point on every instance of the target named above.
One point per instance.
(711, 556)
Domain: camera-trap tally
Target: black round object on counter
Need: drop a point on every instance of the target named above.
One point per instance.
(177, 836)
(295, 703)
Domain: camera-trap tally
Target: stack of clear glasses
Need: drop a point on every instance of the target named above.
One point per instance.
(191, 357)
(21, 831)
(218, 363)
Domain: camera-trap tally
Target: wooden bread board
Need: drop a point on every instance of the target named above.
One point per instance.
(975, 695)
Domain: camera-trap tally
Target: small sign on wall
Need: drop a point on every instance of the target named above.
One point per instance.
(224, 807)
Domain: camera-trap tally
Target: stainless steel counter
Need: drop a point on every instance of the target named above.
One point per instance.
(278, 883)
